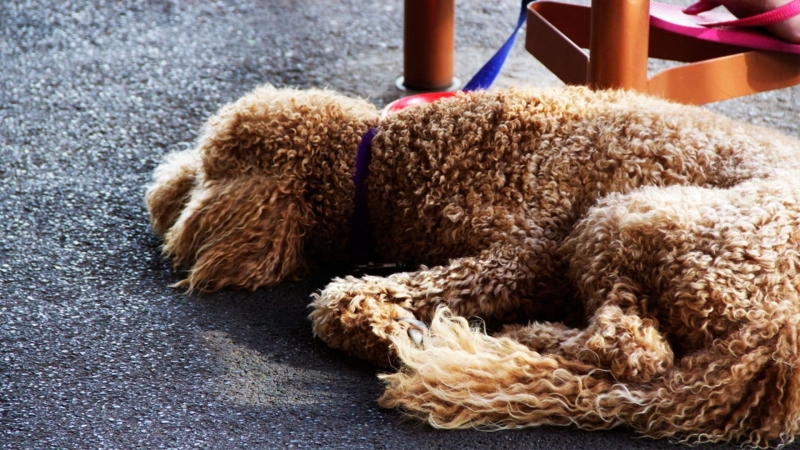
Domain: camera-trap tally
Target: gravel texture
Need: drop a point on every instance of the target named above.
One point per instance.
(96, 350)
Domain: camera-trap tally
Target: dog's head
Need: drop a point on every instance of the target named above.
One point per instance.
(272, 188)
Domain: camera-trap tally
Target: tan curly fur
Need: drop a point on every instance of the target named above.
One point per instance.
(631, 261)
(265, 187)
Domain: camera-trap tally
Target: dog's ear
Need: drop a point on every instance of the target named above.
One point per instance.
(244, 233)
(262, 160)
(173, 182)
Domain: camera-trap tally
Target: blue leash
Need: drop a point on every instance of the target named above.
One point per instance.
(486, 75)
(482, 79)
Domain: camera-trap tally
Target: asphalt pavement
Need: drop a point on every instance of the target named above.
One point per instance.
(96, 350)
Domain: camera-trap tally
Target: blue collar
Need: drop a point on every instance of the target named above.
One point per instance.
(360, 228)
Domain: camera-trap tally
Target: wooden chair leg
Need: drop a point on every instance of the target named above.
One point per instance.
(619, 44)
(428, 44)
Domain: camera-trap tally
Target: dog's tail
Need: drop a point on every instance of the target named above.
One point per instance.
(462, 378)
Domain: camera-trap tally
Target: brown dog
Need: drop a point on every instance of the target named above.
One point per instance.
(642, 255)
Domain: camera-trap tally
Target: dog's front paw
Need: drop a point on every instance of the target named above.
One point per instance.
(361, 315)
(417, 330)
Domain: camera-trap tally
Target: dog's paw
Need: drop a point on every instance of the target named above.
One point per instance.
(417, 330)
(631, 347)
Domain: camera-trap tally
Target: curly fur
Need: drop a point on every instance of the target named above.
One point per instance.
(634, 261)
(251, 201)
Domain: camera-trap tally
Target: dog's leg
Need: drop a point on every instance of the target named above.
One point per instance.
(629, 346)
(644, 264)
(359, 315)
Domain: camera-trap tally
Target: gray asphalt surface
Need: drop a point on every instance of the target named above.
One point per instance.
(96, 350)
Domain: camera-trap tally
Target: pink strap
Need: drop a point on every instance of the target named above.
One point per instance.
(700, 7)
(776, 15)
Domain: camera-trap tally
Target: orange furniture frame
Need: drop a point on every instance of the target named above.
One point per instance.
(620, 41)
(428, 45)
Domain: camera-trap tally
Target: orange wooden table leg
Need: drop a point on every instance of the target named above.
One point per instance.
(619, 43)
(428, 45)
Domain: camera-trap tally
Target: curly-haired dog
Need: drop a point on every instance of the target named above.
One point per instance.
(636, 261)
